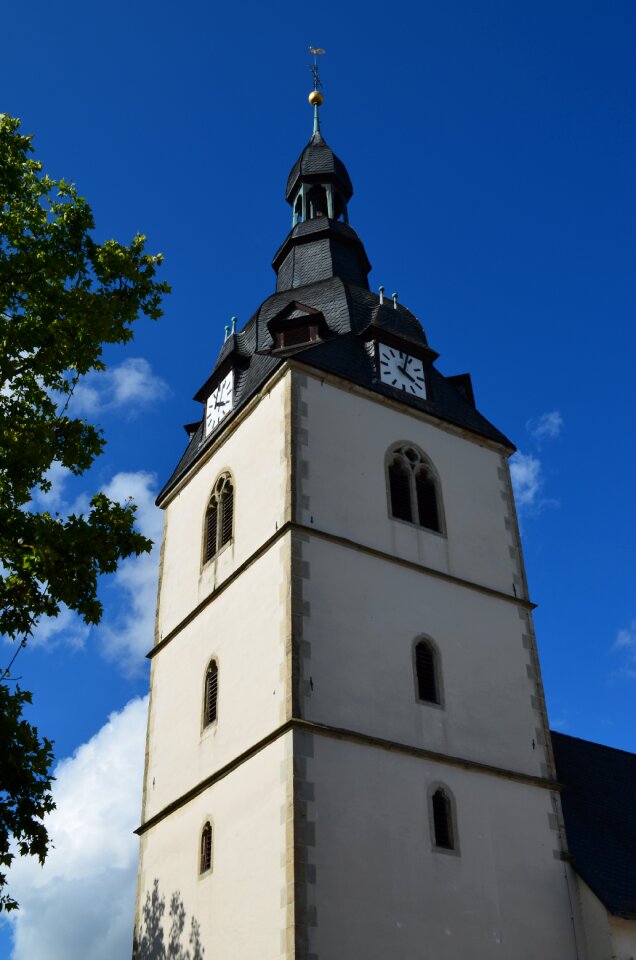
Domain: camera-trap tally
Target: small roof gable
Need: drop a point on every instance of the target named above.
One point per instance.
(599, 809)
(348, 314)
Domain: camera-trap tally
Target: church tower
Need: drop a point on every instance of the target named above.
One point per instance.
(348, 755)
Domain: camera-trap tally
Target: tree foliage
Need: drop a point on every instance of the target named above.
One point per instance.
(25, 797)
(63, 298)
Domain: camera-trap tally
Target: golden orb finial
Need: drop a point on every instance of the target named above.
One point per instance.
(316, 98)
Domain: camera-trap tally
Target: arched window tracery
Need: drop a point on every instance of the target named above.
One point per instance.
(219, 517)
(414, 494)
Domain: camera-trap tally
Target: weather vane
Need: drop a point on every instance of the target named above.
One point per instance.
(317, 52)
(315, 97)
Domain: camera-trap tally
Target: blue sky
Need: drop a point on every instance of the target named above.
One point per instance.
(491, 148)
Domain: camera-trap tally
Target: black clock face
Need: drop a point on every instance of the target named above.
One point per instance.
(219, 403)
(402, 371)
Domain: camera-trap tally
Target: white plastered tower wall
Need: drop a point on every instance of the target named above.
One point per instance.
(320, 766)
(316, 775)
(236, 773)
(371, 585)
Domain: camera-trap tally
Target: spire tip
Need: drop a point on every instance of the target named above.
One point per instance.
(316, 98)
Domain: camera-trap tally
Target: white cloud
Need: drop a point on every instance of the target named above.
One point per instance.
(140, 487)
(546, 427)
(626, 642)
(127, 630)
(127, 388)
(66, 628)
(525, 471)
(81, 902)
(128, 635)
(55, 500)
(52, 500)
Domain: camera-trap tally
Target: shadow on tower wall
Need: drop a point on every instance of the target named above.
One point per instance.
(150, 942)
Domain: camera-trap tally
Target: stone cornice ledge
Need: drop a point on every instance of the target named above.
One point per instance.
(307, 529)
(352, 736)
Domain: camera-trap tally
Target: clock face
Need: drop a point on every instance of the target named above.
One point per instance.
(402, 371)
(219, 402)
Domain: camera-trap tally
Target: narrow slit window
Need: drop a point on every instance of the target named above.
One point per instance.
(426, 670)
(211, 694)
(442, 822)
(205, 862)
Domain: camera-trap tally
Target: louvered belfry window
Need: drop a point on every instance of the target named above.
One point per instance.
(442, 822)
(426, 499)
(400, 489)
(227, 514)
(205, 862)
(211, 523)
(426, 670)
(413, 492)
(219, 519)
(211, 694)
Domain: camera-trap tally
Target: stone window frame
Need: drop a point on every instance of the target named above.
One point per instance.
(208, 823)
(440, 703)
(420, 460)
(224, 478)
(453, 851)
(207, 726)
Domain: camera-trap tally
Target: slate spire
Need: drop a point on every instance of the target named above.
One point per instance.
(321, 243)
(323, 312)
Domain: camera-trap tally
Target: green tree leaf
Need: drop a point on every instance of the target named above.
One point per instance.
(63, 298)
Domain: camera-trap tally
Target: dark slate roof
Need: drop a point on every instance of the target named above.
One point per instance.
(247, 382)
(349, 311)
(320, 249)
(322, 265)
(319, 161)
(599, 808)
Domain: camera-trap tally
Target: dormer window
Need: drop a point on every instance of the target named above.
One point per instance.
(297, 325)
(295, 336)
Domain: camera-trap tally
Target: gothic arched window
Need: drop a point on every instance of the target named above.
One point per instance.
(219, 517)
(210, 694)
(205, 853)
(443, 827)
(414, 493)
(427, 672)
